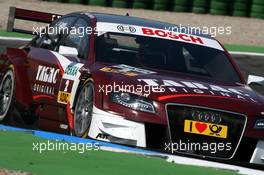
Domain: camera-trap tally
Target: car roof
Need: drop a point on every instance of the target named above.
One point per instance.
(124, 19)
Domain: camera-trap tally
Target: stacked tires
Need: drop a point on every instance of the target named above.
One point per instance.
(243, 8)
(98, 2)
(257, 9)
(200, 6)
(139, 4)
(240, 8)
(119, 3)
(160, 4)
(60, 1)
(219, 7)
(75, 1)
(181, 5)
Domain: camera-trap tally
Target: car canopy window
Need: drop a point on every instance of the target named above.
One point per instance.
(163, 54)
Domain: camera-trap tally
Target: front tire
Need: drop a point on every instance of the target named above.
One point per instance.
(83, 110)
(7, 88)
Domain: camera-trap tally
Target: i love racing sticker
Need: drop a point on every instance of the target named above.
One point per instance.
(203, 128)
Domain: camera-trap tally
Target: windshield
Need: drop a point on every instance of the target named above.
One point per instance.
(163, 54)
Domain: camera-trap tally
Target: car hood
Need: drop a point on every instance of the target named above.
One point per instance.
(170, 87)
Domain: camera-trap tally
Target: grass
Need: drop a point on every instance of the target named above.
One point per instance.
(17, 154)
(14, 34)
(244, 48)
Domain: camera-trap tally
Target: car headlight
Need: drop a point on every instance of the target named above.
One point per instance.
(133, 101)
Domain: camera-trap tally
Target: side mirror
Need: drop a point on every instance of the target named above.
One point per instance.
(255, 80)
(256, 83)
(65, 50)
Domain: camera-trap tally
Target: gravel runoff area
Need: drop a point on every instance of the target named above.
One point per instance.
(244, 31)
(8, 172)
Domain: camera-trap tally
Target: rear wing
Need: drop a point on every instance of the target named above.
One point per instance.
(28, 15)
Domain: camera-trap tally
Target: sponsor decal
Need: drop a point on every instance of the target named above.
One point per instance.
(43, 89)
(206, 116)
(72, 70)
(66, 85)
(64, 91)
(126, 70)
(126, 28)
(104, 27)
(172, 35)
(189, 87)
(203, 128)
(102, 136)
(63, 97)
(47, 74)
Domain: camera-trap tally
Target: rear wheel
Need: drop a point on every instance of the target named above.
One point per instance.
(83, 110)
(7, 88)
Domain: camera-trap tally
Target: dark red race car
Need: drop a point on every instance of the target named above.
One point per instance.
(132, 81)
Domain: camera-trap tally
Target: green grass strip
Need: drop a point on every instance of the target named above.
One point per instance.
(244, 48)
(4, 33)
(17, 154)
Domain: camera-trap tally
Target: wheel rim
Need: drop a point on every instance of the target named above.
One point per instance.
(83, 110)
(6, 94)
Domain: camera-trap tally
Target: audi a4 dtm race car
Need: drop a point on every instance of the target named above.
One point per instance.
(131, 81)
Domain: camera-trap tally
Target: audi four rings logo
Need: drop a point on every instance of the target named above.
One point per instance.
(126, 28)
(206, 116)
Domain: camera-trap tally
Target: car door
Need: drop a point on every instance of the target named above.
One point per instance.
(53, 64)
(43, 68)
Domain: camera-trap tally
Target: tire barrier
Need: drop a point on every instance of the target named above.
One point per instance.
(98, 2)
(119, 4)
(257, 9)
(160, 5)
(139, 4)
(182, 5)
(200, 6)
(239, 8)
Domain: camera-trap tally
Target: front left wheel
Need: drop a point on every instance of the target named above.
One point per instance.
(7, 88)
(83, 110)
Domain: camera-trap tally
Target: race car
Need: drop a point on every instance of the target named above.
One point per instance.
(131, 81)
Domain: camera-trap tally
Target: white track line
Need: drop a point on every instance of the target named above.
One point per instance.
(246, 53)
(210, 164)
(15, 38)
(191, 161)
